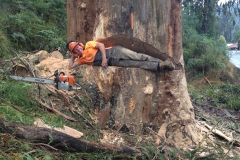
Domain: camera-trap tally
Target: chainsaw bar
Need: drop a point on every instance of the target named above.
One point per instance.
(33, 80)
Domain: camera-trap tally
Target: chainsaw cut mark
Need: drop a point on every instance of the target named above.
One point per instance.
(132, 105)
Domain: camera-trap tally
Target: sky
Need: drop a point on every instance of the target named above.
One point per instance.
(222, 1)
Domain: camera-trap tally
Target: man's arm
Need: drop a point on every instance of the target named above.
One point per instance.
(101, 48)
(72, 64)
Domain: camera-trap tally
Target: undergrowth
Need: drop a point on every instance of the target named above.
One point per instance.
(13, 148)
(24, 96)
(226, 95)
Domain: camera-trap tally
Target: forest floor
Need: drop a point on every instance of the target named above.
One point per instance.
(227, 130)
(223, 140)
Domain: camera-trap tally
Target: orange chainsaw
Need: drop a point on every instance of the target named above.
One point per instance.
(61, 81)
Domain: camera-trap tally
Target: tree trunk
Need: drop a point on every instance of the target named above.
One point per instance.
(60, 140)
(137, 97)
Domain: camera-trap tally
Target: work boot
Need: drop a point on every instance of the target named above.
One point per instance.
(167, 64)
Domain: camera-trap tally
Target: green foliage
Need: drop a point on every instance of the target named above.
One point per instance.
(4, 46)
(236, 36)
(202, 53)
(239, 44)
(222, 39)
(203, 50)
(37, 24)
(16, 99)
(204, 11)
(23, 95)
(16, 149)
(225, 95)
(151, 151)
(17, 92)
(214, 18)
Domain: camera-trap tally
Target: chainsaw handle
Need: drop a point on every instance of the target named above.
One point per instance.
(132, 21)
(56, 73)
(62, 73)
(131, 17)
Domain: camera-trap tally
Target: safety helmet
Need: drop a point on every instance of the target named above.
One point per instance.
(72, 45)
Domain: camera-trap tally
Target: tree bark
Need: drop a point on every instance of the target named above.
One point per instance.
(137, 97)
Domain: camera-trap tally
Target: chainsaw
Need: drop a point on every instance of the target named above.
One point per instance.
(61, 81)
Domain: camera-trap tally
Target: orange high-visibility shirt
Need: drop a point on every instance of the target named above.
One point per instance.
(88, 53)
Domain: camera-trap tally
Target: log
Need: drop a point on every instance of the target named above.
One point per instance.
(60, 140)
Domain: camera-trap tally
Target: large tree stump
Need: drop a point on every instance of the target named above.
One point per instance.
(138, 97)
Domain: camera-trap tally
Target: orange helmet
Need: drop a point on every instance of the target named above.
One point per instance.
(72, 45)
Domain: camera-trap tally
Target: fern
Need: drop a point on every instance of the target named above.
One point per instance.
(18, 36)
(4, 45)
(31, 25)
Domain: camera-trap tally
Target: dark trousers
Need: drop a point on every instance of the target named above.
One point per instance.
(123, 57)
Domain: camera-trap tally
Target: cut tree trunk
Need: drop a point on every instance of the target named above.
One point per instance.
(60, 140)
(136, 97)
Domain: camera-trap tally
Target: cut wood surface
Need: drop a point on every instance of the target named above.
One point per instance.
(67, 130)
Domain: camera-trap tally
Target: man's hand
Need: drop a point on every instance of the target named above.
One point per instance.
(72, 64)
(104, 62)
(101, 48)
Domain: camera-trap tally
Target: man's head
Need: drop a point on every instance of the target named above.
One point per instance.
(75, 47)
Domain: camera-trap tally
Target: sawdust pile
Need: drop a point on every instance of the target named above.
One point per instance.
(48, 66)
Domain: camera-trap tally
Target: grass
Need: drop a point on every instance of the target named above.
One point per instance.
(18, 93)
(226, 95)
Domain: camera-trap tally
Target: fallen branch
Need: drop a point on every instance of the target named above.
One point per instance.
(60, 140)
(85, 119)
(56, 111)
(219, 133)
(17, 108)
(43, 144)
(88, 96)
(116, 132)
(207, 81)
(25, 63)
(50, 88)
(203, 139)
(66, 100)
(229, 115)
(228, 150)
(204, 156)
(155, 134)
